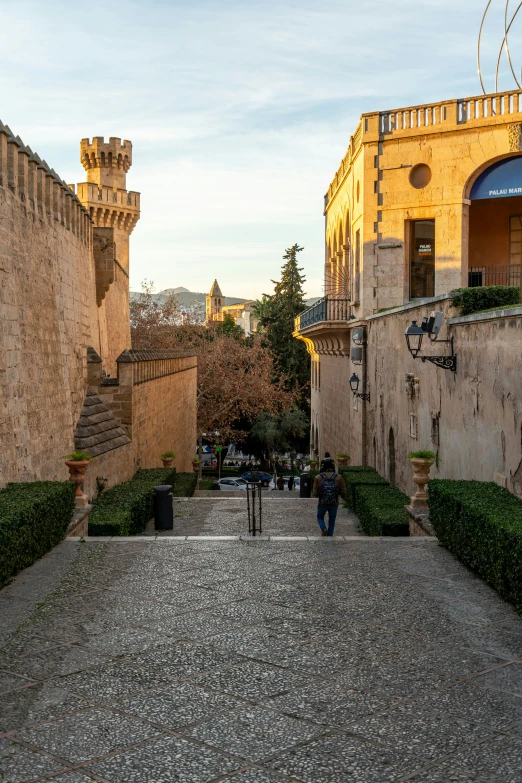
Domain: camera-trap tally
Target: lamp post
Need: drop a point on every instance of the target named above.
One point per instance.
(354, 386)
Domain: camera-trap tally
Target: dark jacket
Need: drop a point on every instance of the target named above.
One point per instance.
(341, 487)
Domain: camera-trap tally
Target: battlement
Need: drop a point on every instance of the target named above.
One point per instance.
(39, 187)
(106, 163)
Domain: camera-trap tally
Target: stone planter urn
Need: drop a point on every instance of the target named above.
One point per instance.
(342, 462)
(168, 462)
(195, 466)
(77, 470)
(421, 476)
(313, 464)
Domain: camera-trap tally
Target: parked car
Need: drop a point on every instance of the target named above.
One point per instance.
(230, 484)
(297, 483)
(257, 475)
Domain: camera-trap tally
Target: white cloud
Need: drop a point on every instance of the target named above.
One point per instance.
(239, 110)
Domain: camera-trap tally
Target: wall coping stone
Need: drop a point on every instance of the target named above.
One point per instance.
(152, 355)
(489, 316)
(411, 306)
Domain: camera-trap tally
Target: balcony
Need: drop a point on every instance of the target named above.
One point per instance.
(506, 275)
(327, 309)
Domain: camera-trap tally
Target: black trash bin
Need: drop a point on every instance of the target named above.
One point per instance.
(163, 509)
(305, 486)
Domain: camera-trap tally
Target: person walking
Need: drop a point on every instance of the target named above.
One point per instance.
(328, 488)
(326, 459)
(291, 482)
(280, 483)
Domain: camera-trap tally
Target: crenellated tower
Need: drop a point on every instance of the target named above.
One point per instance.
(114, 211)
(104, 194)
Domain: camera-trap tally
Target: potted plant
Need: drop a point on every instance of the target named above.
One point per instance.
(312, 463)
(422, 462)
(343, 459)
(77, 463)
(195, 464)
(168, 458)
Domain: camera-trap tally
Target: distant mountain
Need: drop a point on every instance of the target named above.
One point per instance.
(188, 298)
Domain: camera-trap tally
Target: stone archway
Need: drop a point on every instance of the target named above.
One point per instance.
(495, 224)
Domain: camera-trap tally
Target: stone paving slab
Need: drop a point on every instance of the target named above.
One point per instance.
(291, 658)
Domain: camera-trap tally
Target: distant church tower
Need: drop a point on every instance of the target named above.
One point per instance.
(215, 301)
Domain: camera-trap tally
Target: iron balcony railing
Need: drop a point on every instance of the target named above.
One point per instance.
(329, 308)
(494, 275)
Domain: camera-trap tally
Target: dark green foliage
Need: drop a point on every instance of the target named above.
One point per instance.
(476, 300)
(228, 328)
(184, 485)
(125, 509)
(356, 476)
(381, 511)
(277, 313)
(481, 523)
(34, 517)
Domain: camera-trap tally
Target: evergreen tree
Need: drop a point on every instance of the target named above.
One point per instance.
(277, 321)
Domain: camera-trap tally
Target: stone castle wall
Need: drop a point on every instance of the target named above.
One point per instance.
(48, 316)
(62, 292)
(164, 417)
(471, 418)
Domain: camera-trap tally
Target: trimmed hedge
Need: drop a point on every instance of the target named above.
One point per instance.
(124, 510)
(476, 300)
(381, 511)
(357, 476)
(34, 517)
(184, 485)
(481, 523)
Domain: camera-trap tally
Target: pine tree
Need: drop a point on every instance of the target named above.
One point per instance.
(279, 311)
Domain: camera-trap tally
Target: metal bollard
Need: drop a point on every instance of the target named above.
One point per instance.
(163, 509)
(254, 506)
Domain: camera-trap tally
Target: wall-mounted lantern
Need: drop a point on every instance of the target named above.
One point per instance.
(354, 386)
(431, 326)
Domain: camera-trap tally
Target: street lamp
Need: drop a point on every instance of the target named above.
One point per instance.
(414, 334)
(354, 386)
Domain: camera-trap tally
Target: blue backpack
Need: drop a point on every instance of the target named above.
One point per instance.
(328, 492)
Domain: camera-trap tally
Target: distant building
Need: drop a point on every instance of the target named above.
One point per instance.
(241, 312)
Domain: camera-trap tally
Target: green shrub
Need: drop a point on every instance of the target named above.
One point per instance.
(184, 485)
(34, 517)
(206, 483)
(422, 454)
(358, 476)
(381, 511)
(124, 510)
(476, 300)
(481, 523)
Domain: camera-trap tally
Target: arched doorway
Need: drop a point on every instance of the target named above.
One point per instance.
(391, 456)
(495, 225)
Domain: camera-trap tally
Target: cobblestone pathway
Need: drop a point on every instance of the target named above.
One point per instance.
(286, 516)
(321, 661)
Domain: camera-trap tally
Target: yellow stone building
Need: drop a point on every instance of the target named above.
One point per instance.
(427, 199)
(403, 219)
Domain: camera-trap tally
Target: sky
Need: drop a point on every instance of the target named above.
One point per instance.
(239, 111)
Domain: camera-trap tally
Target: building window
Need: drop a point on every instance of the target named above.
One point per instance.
(422, 258)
